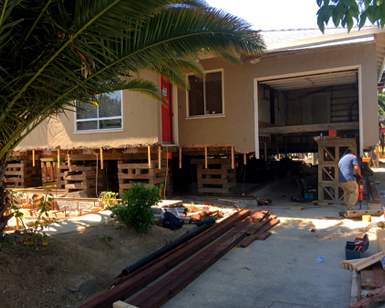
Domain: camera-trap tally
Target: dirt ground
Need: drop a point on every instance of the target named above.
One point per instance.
(41, 277)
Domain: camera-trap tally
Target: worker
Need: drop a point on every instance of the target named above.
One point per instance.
(346, 166)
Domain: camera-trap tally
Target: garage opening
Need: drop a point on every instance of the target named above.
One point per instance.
(294, 112)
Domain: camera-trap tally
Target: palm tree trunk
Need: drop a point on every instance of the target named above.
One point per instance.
(4, 198)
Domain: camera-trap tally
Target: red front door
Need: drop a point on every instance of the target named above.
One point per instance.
(166, 110)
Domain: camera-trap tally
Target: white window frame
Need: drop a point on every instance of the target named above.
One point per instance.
(205, 116)
(99, 130)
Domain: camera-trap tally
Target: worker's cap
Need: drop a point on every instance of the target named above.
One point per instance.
(349, 151)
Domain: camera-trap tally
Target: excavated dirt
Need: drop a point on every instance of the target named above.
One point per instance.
(41, 277)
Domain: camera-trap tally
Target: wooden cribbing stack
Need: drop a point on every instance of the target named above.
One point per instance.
(60, 176)
(23, 174)
(83, 180)
(218, 177)
(148, 174)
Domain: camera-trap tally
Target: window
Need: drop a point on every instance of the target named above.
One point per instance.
(205, 95)
(106, 116)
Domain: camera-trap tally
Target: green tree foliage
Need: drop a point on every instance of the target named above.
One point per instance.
(56, 52)
(381, 104)
(135, 208)
(349, 12)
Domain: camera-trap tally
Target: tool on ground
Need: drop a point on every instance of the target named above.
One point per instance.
(360, 184)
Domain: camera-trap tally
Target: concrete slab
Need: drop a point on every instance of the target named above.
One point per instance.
(78, 223)
(281, 272)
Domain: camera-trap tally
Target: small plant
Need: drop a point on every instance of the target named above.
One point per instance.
(108, 199)
(34, 237)
(15, 208)
(43, 220)
(135, 208)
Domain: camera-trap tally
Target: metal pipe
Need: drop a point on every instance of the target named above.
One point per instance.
(180, 240)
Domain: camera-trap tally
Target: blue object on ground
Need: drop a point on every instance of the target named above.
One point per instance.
(319, 260)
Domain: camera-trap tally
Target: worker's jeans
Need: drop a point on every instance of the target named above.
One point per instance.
(350, 194)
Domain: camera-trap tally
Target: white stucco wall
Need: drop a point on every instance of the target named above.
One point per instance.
(141, 126)
(237, 127)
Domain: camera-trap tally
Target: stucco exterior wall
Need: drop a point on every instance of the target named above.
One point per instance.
(237, 126)
(141, 126)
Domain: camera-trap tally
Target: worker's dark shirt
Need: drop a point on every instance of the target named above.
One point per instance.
(346, 168)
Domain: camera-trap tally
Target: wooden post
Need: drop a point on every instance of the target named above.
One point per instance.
(265, 145)
(244, 159)
(232, 157)
(101, 159)
(160, 157)
(68, 160)
(33, 158)
(205, 157)
(45, 172)
(149, 156)
(180, 158)
(378, 157)
(50, 170)
(58, 159)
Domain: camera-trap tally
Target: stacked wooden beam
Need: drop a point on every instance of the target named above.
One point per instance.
(215, 175)
(83, 180)
(23, 174)
(208, 247)
(359, 264)
(148, 174)
(60, 176)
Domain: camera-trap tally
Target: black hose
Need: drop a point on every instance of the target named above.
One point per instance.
(180, 240)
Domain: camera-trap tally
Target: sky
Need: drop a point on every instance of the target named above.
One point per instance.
(272, 14)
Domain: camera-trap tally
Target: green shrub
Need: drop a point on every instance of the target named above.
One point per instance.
(135, 207)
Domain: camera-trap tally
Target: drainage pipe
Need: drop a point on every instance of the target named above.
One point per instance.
(180, 240)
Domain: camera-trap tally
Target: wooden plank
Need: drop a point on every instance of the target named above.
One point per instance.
(130, 176)
(259, 224)
(379, 275)
(180, 158)
(164, 289)
(232, 158)
(139, 279)
(367, 279)
(248, 240)
(309, 128)
(76, 186)
(364, 263)
(132, 165)
(14, 173)
(373, 190)
(371, 299)
(380, 234)
(212, 161)
(74, 168)
(263, 236)
(120, 304)
(205, 157)
(149, 157)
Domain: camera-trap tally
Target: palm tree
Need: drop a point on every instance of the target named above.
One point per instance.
(55, 52)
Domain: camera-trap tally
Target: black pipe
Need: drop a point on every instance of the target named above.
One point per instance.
(180, 240)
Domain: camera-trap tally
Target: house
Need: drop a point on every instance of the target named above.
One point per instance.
(275, 103)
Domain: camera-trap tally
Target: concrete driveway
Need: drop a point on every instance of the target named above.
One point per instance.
(281, 272)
